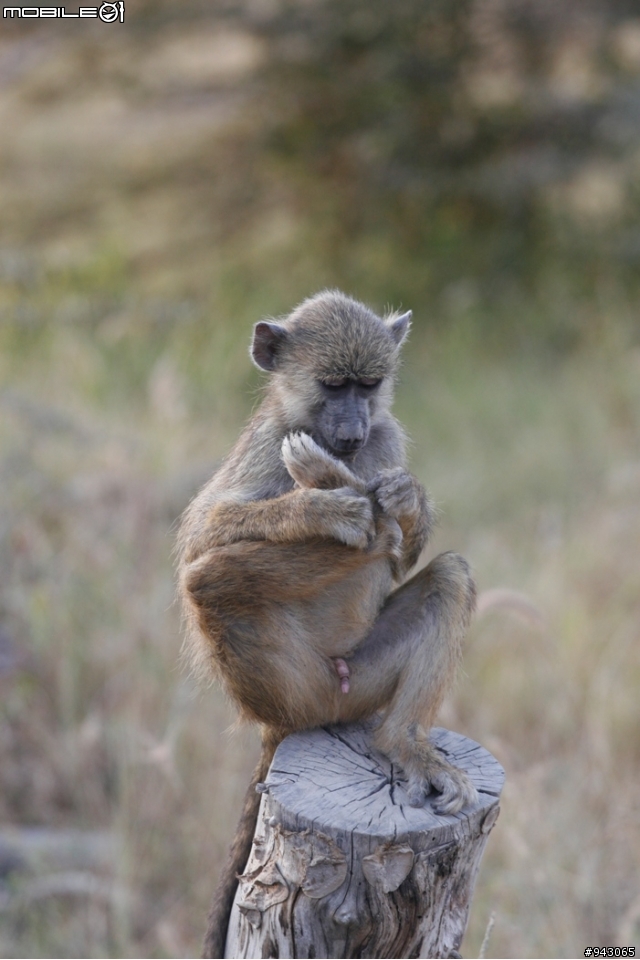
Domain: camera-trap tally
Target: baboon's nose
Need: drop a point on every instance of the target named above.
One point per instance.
(348, 445)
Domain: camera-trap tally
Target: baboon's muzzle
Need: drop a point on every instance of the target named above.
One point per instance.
(346, 446)
(344, 422)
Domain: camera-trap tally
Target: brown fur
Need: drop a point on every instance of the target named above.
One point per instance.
(289, 555)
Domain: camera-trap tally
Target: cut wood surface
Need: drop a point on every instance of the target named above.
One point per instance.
(343, 866)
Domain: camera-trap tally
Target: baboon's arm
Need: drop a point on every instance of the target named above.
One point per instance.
(299, 515)
(222, 578)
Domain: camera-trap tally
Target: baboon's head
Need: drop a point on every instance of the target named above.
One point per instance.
(333, 363)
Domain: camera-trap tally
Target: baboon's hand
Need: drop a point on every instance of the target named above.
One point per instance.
(397, 492)
(349, 518)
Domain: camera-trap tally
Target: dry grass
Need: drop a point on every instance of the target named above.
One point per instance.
(124, 378)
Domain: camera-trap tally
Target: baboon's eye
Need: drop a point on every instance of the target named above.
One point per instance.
(370, 383)
(335, 383)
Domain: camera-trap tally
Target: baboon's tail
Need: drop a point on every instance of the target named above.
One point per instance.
(218, 921)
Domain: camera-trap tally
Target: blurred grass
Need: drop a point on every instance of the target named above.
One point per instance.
(125, 314)
(536, 466)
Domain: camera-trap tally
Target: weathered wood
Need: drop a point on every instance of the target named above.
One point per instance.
(342, 866)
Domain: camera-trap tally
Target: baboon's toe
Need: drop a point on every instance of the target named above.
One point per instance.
(417, 793)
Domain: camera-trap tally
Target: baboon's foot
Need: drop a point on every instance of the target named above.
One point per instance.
(311, 466)
(429, 771)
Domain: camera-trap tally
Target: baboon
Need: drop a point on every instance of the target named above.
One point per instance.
(289, 555)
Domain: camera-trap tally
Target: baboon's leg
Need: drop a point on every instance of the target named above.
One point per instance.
(272, 572)
(271, 661)
(407, 662)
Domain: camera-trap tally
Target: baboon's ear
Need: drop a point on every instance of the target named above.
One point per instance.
(399, 327)
(268, 339)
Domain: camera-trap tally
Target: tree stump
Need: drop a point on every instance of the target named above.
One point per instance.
(342, 866)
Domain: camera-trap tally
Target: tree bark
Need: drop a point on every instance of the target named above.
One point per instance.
(342, 866)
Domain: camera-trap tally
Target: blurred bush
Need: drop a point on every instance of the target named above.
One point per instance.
(479, 150)
(473, 156)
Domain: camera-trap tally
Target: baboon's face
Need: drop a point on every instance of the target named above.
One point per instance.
(333, 364)
(343, 414)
